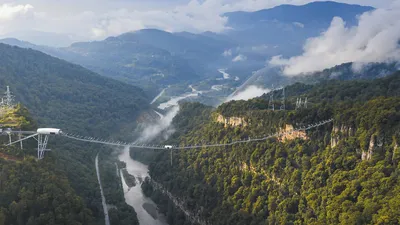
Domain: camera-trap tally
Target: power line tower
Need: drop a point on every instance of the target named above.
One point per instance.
(298, 103)
(8, 100)
(301, 104)
(271, 104)
(305, 103)
(283, 106)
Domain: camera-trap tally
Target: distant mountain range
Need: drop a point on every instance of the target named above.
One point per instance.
(147, 58)
(42, 38)
(315, 14)
(282, 30)
(154, 59)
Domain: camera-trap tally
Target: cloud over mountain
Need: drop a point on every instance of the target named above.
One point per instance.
(250, 92)
(376, 38)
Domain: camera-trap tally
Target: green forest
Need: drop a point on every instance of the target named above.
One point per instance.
(67, 96)
(35, 192)
(346, 172)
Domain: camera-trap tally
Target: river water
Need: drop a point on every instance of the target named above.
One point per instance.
(134, 196)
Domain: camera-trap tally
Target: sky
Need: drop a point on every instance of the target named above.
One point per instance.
(71, 20)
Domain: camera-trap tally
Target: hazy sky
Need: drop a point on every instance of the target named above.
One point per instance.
(97, 19)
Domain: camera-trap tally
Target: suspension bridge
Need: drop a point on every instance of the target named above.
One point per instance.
(42, 136)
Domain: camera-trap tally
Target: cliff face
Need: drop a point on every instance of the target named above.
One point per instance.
(286, 134)
(232, 121)
(395, 151)
(367, 155)
(340, 132)
(292, 135)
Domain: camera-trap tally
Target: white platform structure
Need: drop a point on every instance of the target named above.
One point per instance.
(42, 137)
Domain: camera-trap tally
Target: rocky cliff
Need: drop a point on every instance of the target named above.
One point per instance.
(232, 121)
(340, 132)
(289, 134)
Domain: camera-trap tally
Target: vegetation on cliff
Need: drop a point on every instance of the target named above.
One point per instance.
(300, 181)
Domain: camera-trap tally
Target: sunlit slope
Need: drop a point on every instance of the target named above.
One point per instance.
(346, 172)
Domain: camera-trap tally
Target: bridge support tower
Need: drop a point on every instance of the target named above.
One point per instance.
(42, 144)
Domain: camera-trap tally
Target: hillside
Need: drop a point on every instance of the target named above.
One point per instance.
(64, 95)
(33, 192)
(147, 58)
(131, 61)
(346, 172)
(273, 76)
(67, 96)
(36, 193)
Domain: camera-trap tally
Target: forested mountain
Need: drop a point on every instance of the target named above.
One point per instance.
(148, 58)
(199, 50)
(67, 96)
(346, 172)
(273, 76)
(348, 71)
(64, 95)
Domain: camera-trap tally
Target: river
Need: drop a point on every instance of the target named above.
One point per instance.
(134, 196)
(174, 101)
(158, 96)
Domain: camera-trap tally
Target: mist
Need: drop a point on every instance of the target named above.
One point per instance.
(249, 92)
(162, 126)
(375, 39)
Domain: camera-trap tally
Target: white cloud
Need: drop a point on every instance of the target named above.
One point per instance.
(227, 53)
(375, 39)
(249, 93)
(10, 11)
(239, 58)
(152, 131)
(259, 48)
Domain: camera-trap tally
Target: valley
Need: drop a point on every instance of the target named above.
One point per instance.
(199, 112)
